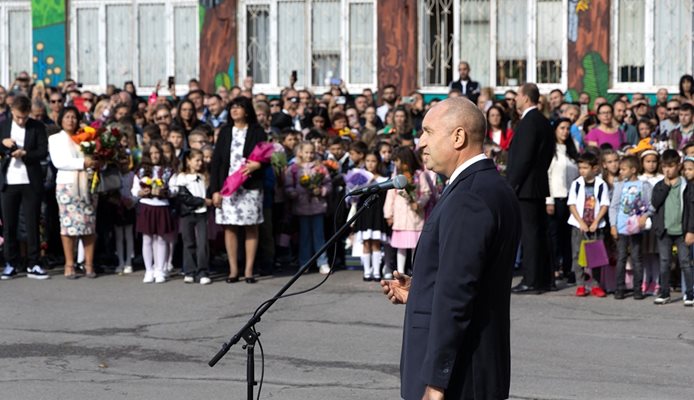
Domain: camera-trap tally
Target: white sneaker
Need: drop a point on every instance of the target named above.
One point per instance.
(160, 279)
(36, 272)
(205, 280)
(149, 277)
(128, 269)
(388, 276)
(189, 279)
(324, 269)
(689, 302)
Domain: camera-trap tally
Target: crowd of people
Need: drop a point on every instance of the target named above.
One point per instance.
(587, 171)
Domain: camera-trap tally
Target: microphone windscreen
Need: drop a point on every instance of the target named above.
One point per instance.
(399, 182)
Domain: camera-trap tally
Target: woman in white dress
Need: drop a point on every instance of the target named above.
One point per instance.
(244, 208)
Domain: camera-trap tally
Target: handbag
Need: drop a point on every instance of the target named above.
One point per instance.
(109, 179)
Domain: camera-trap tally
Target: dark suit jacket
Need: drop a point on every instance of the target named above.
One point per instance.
(36, 146)
(280, 120)
(530, 155)
(457, 320)
(222, 153)
(472, 90)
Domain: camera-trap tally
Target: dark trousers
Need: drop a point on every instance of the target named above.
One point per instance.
(13, 197)
(560, 237)
(195, 251)
(665, 252)
(536, 265)
(629, 245)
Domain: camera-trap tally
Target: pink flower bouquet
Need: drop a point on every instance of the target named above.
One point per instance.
(262, 153)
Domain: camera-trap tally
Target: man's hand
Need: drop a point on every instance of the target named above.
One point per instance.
(613, 231)
(9, 143)
(432, 393)
(689, 238)
(398, 289)
(19, 153)
(550, 209)
(217, 200)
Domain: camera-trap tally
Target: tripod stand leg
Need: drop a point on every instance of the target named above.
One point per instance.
(250, 370)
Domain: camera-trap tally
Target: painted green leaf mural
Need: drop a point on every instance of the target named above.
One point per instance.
(571, 96)
(222, 79)
(596, 77)
(47, 12)
(201, 16)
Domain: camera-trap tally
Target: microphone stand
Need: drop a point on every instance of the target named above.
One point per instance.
(248, 332)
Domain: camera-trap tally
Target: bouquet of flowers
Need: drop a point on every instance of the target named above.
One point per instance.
(355, 179)
(312, 178)
(409, 192)
(262, 153)
(103, 145)
(278, 160)
(155, 184)
(332, 166)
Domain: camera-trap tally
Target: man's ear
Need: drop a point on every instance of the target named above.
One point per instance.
(460, 138)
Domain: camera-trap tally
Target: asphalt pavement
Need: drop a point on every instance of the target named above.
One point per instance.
(117, 338)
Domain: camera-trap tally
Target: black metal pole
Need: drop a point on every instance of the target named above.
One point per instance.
(256, 318)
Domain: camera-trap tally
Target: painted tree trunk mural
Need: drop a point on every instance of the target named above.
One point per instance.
(397, 44)
(589, 48)
(218, 45)
(48, 36)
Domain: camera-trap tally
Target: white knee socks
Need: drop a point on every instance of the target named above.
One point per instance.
(161, 249)
(366, 262)
(376, 263)
(402, 260)
(148, 252)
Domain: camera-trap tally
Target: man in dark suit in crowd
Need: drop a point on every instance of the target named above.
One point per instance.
(23, 144)
(529, 157)
(466, 86)
(456, 340)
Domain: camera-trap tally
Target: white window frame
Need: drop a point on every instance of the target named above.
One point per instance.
(5, 7)
(531, 60)
(648, 85)
(100, 5)
(274, 87)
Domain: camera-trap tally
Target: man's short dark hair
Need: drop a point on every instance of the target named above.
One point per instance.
(687, 107)
(589, 158)
(558, 91)
(22, 104)
(216, 96)
(687, 146)
(670, 157)
(531, 90)
(390, 86)
(359, 147)
(333, 140)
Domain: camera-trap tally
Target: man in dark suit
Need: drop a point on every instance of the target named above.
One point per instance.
(23, 144)
(456, 340)
(529, 158)
(466, 86)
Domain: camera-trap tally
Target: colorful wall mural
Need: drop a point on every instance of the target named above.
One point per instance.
(48, 29)
(218, 44)
(589, 49)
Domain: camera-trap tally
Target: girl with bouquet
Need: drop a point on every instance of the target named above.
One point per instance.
(307, 184)
(371, 228)
(151, 186)
(404, 208)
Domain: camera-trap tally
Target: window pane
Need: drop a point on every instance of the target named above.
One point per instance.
(549, 41)
(88, 46)
(512, 45)
(292, 41)
(475, 37)
(152, 29)
(258, 43)
(437, 32)
(631, 37)
(119, 44)
(20, 42)
(361, 44)
(325, 38)
(672, 40)
(185, 43)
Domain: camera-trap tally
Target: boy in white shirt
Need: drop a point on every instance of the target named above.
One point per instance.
(589, 202)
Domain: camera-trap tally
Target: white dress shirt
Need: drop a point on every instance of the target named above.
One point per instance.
(17, 172)
(527, 110)
(462, 167)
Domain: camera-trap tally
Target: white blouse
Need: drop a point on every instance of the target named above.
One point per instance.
(66, 156)
(562, 171)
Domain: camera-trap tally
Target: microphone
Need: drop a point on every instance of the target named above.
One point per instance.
(399, 182)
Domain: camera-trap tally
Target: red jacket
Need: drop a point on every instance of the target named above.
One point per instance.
(505, 138)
